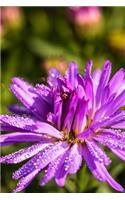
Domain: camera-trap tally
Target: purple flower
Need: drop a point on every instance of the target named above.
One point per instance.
(67, 120)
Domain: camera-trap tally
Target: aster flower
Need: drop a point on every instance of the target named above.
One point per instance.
(68, 120)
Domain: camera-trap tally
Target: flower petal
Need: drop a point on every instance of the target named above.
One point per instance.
(70, 111)
(19, 137)
(117, 81)
(80, 116)
(104, 78)
(30, 124)
(51, 170)
(24, 92)
(72, 74)
(24, 153)
(25, 181)
(89, 87)
(70, 165)
(119, 153)
(90, 163)
(97, 152)
(111, 141)
(42, 159)
(108, 178)
(99, 170)
(19, 110)
(52, 79)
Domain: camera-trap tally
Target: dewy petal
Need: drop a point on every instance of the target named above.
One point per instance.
(70, 165)
(72, 74)
(73, 161)
(25, 181)
(99, 170)
(42, 159)
(119, 153)
(97, 152)
(115, 132)
(110, 107)
(24, 153)
(116, 104)
(111, 141)
(19, 137)
(106, 71)
(117, 81)
(109, 121)
(24, 92)
(30, 124)
(50, 172)
(108, 178)
(20, 110)
(90, 163)
(44, 92)
(119, 125)
(52, 79)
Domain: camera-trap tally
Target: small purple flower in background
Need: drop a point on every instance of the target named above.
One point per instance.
(85, 16)
(67, 120)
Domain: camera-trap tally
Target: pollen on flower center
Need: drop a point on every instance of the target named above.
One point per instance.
(71, 138)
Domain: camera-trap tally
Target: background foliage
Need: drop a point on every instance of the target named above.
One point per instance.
(33, 39)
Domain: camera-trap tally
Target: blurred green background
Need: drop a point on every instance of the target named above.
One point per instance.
(34, 39)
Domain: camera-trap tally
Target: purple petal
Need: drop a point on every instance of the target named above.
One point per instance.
(97, 152)
(108, 178)
(117, 81)
(70, 111)
(20, 110)
(106, 71)
(24, 153)
(24, 92)
(109, 121)
(30, 124)
(117, 133)
(25, 181)
(42, 159)
(119, 125)
(91, 164)
(5, 139)
(70, 165)
(58, 109)
(72, 74)
(80, 116)
(51, 170)
(44, 92)
(99, 170)
(111, 141)
(116, 104)
(121, 88)
(119, 153)
(89, 86)
(96, 78)
(105, 95)
(52, 79)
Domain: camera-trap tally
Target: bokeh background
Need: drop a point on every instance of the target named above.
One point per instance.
(34, 39)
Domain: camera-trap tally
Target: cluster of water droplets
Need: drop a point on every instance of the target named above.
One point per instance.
(97, 152)
(24, 153)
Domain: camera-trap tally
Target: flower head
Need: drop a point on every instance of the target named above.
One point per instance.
(85, 16)
(67, 120)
